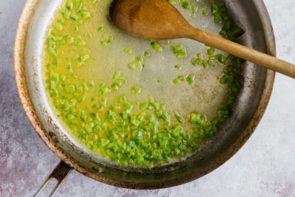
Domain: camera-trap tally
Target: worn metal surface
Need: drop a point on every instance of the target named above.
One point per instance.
(248, 110)
(264, 167)
(24, 160)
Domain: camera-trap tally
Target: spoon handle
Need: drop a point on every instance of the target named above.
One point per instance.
(243, 52)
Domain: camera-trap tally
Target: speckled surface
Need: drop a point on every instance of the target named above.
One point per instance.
(264, 167)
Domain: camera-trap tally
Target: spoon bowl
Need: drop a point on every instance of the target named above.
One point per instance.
(141, 18)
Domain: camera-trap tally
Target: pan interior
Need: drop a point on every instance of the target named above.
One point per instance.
(254, 80)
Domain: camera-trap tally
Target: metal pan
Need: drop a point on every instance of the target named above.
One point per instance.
(251, 15)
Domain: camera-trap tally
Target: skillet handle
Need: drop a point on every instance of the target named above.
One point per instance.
(54, 180)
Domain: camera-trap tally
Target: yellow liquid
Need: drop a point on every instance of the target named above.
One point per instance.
(82, 55)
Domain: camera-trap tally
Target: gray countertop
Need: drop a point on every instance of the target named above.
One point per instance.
(264, 167)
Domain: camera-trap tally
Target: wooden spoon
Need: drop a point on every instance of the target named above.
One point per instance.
(159, 20)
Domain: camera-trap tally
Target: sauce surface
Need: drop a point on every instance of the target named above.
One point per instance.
(136, 102)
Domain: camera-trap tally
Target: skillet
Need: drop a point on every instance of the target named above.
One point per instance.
(251, 15)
